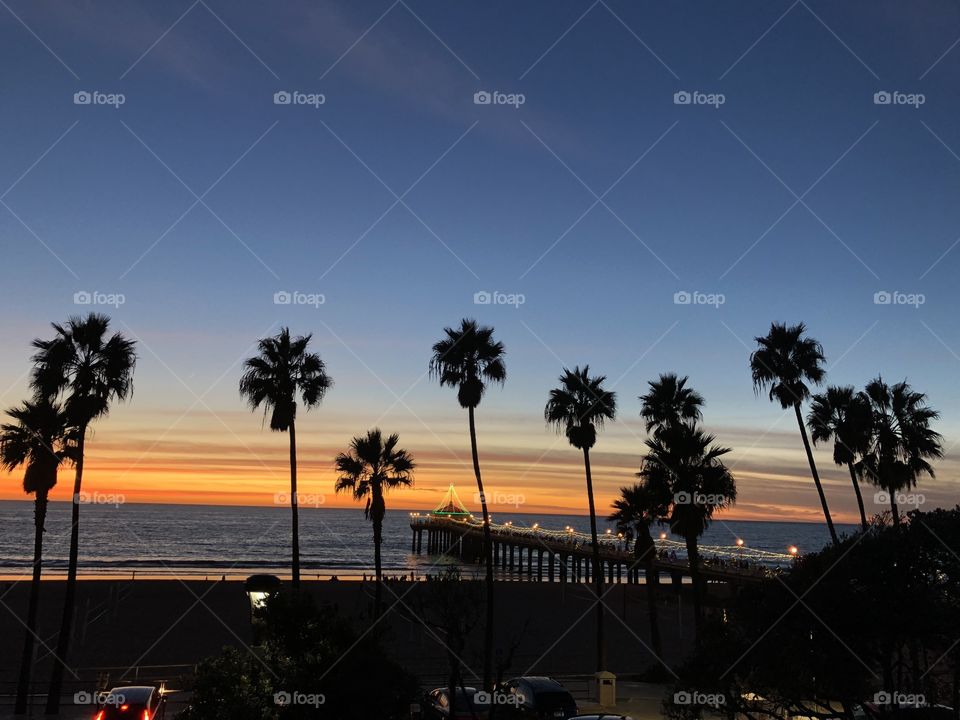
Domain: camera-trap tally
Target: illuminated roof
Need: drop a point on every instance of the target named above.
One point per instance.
(450, 505)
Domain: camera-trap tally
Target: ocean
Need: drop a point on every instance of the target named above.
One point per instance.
(199, 541)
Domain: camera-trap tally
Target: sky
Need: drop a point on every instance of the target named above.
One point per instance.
(587, 200)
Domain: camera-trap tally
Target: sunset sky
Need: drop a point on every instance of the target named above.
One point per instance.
(799, 198)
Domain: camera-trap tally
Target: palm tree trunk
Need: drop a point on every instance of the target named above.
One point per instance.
(26, 659)
(894, 509)
(597, 569)
(377, 518)
(856, 489)
(816, 475)
(294, 508)
(693, 558)
(66, 621)
(649, 555)
(488, 551)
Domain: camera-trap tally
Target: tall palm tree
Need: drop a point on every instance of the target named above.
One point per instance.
(783, 363)
(902, 441)
(683, 462)
(670, 401)
(579, 407)
(369, 467)
(39, 440)
(283, 370)
(89, 368)
(468, 358)
(638, 507)
(841, 415)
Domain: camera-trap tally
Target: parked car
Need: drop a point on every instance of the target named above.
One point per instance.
(467, 705)
(535, 697)
(132, 702)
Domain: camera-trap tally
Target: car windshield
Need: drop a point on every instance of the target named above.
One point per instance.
(553, 700)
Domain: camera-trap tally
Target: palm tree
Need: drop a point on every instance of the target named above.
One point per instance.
(371, 466)
(902, 441)
(274, 378)
(39, 440)
(841, 415)
(579, 407)
(683, 463)
(467, 359)
(670, 401)
(784, 363)
(638, 507)
(89, 369)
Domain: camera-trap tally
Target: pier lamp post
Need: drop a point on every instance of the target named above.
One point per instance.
(740, 548)
(793, 550)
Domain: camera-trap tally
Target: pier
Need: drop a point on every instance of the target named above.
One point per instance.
(567, 556)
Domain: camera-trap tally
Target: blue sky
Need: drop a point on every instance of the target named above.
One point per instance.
(597, 199)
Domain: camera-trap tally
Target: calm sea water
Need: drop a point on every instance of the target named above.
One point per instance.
(196, 540)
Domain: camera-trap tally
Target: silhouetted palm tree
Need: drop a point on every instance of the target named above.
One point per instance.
(669, 401)
(785, 362)
(39, 440)
(467, 359)
(638, 507)
(901, 441)
(841, 415)
(369, 467)
(274, 378)
(579, 407)
(89, 370)
(683, 462)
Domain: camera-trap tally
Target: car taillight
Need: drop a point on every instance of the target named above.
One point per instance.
(146, 715)
(101, 715)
